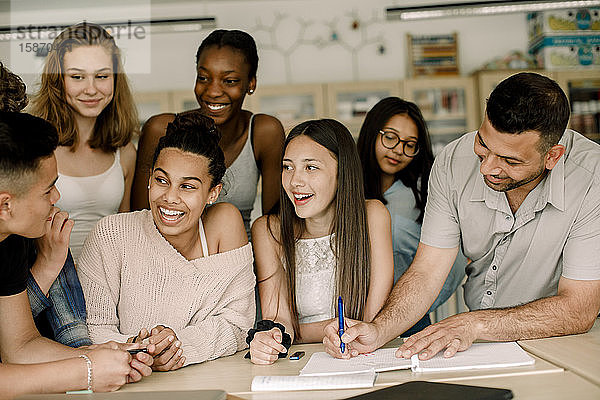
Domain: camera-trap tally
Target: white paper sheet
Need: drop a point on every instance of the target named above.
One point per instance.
(380, 360)
(346, 381)
(479, 355)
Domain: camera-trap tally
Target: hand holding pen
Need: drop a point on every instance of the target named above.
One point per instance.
(341, 323)
(359, 337)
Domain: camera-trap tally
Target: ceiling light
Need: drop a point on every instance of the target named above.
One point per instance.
(482, 8)
(50, 31)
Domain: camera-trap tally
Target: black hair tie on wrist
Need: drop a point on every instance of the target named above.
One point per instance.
(267, 325)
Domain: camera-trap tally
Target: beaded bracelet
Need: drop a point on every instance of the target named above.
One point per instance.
(89, 371)
(267, 325)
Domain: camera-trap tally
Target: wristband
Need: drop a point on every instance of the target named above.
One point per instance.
(89, 371)
(267, 325)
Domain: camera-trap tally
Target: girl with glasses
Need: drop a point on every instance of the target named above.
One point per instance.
(396, 157)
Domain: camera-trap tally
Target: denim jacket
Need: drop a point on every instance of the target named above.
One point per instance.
(63, 310)
(406, 233)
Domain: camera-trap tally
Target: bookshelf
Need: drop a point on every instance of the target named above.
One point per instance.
(291, 104)
(349, 102)
(583, 90)
(448, 106)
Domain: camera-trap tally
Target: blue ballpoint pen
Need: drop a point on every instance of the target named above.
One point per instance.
(341, 319)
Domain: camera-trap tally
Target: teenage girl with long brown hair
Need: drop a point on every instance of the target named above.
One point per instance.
(326, 241)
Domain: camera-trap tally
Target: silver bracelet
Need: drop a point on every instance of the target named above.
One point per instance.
(89, 371)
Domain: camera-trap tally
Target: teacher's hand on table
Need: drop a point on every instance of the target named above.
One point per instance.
(266, 346)
(455, 333)
(168, 354)
(360, 337)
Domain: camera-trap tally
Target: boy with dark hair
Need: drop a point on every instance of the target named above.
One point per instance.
(53, 287)
(27, 196)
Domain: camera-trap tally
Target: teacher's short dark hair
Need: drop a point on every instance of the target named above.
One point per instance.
(529, 102)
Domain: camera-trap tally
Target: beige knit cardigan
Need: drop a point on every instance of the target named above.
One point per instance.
(132, 278)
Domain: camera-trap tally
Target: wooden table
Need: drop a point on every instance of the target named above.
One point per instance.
(565, 368)
(577, 353)
(554, 386)
(234, 375)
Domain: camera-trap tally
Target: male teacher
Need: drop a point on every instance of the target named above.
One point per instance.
(522, 197)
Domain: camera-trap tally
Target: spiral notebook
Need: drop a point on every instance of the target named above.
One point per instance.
(478, 356)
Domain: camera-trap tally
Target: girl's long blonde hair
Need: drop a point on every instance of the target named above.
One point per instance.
(117, 123)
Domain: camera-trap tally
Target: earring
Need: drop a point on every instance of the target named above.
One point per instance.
(250, 91)
(210, 202)
(148, 187)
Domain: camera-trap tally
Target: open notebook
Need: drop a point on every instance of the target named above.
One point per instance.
(478, 356)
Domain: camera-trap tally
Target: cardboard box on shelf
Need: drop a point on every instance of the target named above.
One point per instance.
(573, 51)
(560, 22)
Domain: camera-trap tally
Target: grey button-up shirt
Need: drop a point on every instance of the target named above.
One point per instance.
(517, 258)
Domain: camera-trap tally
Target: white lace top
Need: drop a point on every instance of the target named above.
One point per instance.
(315, 279)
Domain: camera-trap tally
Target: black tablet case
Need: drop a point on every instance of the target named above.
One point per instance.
(422, 390)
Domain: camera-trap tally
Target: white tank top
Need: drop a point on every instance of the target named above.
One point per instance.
(203, 241)
(89, 198)
(240, 181)
(315, 279)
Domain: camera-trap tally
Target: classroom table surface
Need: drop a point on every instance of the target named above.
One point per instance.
(565, 367)
(577, 353)
(552, 386)
(234, 375)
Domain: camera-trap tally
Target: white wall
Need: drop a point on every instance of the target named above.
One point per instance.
(293, 38)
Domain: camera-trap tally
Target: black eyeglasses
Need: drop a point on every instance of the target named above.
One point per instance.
(390, 140)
